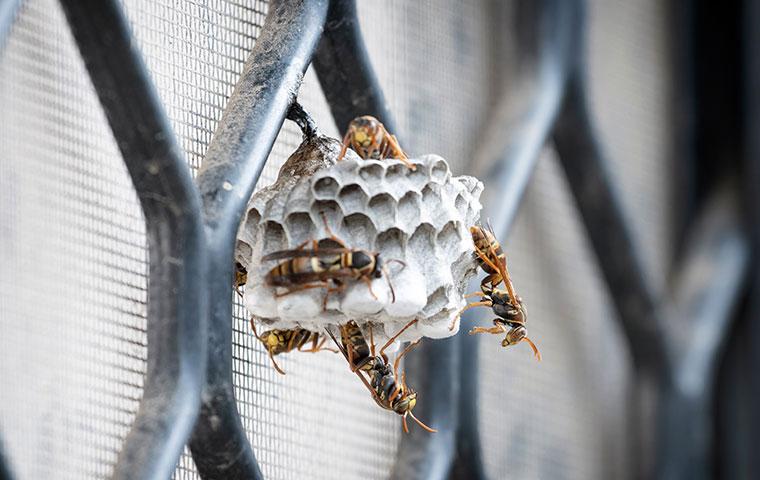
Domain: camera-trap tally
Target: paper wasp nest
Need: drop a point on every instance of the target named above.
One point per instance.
(419, 217)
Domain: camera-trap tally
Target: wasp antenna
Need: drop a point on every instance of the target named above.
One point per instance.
(536, 353)
(403, 263)
(390, 285)
(419, 422)
(403, 422)
(253, 327)
(274, 363)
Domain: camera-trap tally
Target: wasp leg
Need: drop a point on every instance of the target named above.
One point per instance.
(321, 346)
(330, 290)
(303, 287)
(393, 338)
(497, 329)
(398, 154)
(398, 358)
(346, 142)
(330, 232)
(474, 294)
(484, 303)
(369, 286)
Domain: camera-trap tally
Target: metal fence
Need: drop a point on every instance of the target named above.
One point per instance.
(162, 354)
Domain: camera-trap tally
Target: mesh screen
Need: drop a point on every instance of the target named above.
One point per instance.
(73, 266)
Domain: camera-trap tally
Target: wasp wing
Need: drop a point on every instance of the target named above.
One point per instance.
(322, 252)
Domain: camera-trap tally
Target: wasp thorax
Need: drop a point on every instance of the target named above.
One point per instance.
(515, 336)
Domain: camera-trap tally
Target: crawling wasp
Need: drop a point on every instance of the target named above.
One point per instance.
(283, 341)
(508, 307)
(324, 266)
(381, 379)
(370, 140)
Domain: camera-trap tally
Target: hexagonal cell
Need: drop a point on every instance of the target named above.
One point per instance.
(360, 230)
(409, 210)
(436, 301)
(431, 198)
(325, 187)
(353, 198)
(299, 227)
(243, 253)
(419, 178)
(422, 241)
(274, 237)
(331, 208)
(396, 172)
(448, 237)
(373, 172)
(383, 206)
(439, 171)
(461, 204)
(392, 241)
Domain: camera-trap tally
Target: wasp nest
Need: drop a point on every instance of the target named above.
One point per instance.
(419, 217)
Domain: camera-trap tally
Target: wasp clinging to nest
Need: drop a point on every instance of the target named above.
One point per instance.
(509, 308)
(328, 264)
(283, 341)
(381, 380)
(370, 140)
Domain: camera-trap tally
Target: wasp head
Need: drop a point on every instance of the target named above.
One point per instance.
(515, 335)
(366, 135)
(406, 402)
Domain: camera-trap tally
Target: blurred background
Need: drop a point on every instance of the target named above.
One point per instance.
(668, 87)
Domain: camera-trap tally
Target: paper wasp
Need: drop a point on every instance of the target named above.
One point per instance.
(509, 308)
(283, 341)
(324, 266)
(370, 140)
(387, 391)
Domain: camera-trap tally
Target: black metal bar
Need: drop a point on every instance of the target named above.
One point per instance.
(8, 12)
(608, 228)
(5, 467)
(710, 283)
(638, 309)
(176, 296)
(750, 462)
(345, 71)
(506, 157)
(233, 163)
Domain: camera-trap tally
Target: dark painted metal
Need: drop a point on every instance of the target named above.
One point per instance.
(519, 127)
(710, 281)
(750, 462)
(345, 71)
(8, 12)
(5, 467)
(351, 88)
(233, 163)
(620, 262)
(608, 227)
(171, 205)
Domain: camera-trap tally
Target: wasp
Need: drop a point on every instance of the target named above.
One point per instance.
(327, 267)
(370, 140)
(381, 379)
(508, 307)
(283, 341)
(241, 276)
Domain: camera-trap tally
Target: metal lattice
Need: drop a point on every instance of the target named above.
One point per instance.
(94, 317)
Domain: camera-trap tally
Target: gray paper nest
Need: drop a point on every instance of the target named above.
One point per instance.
(421, 217)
